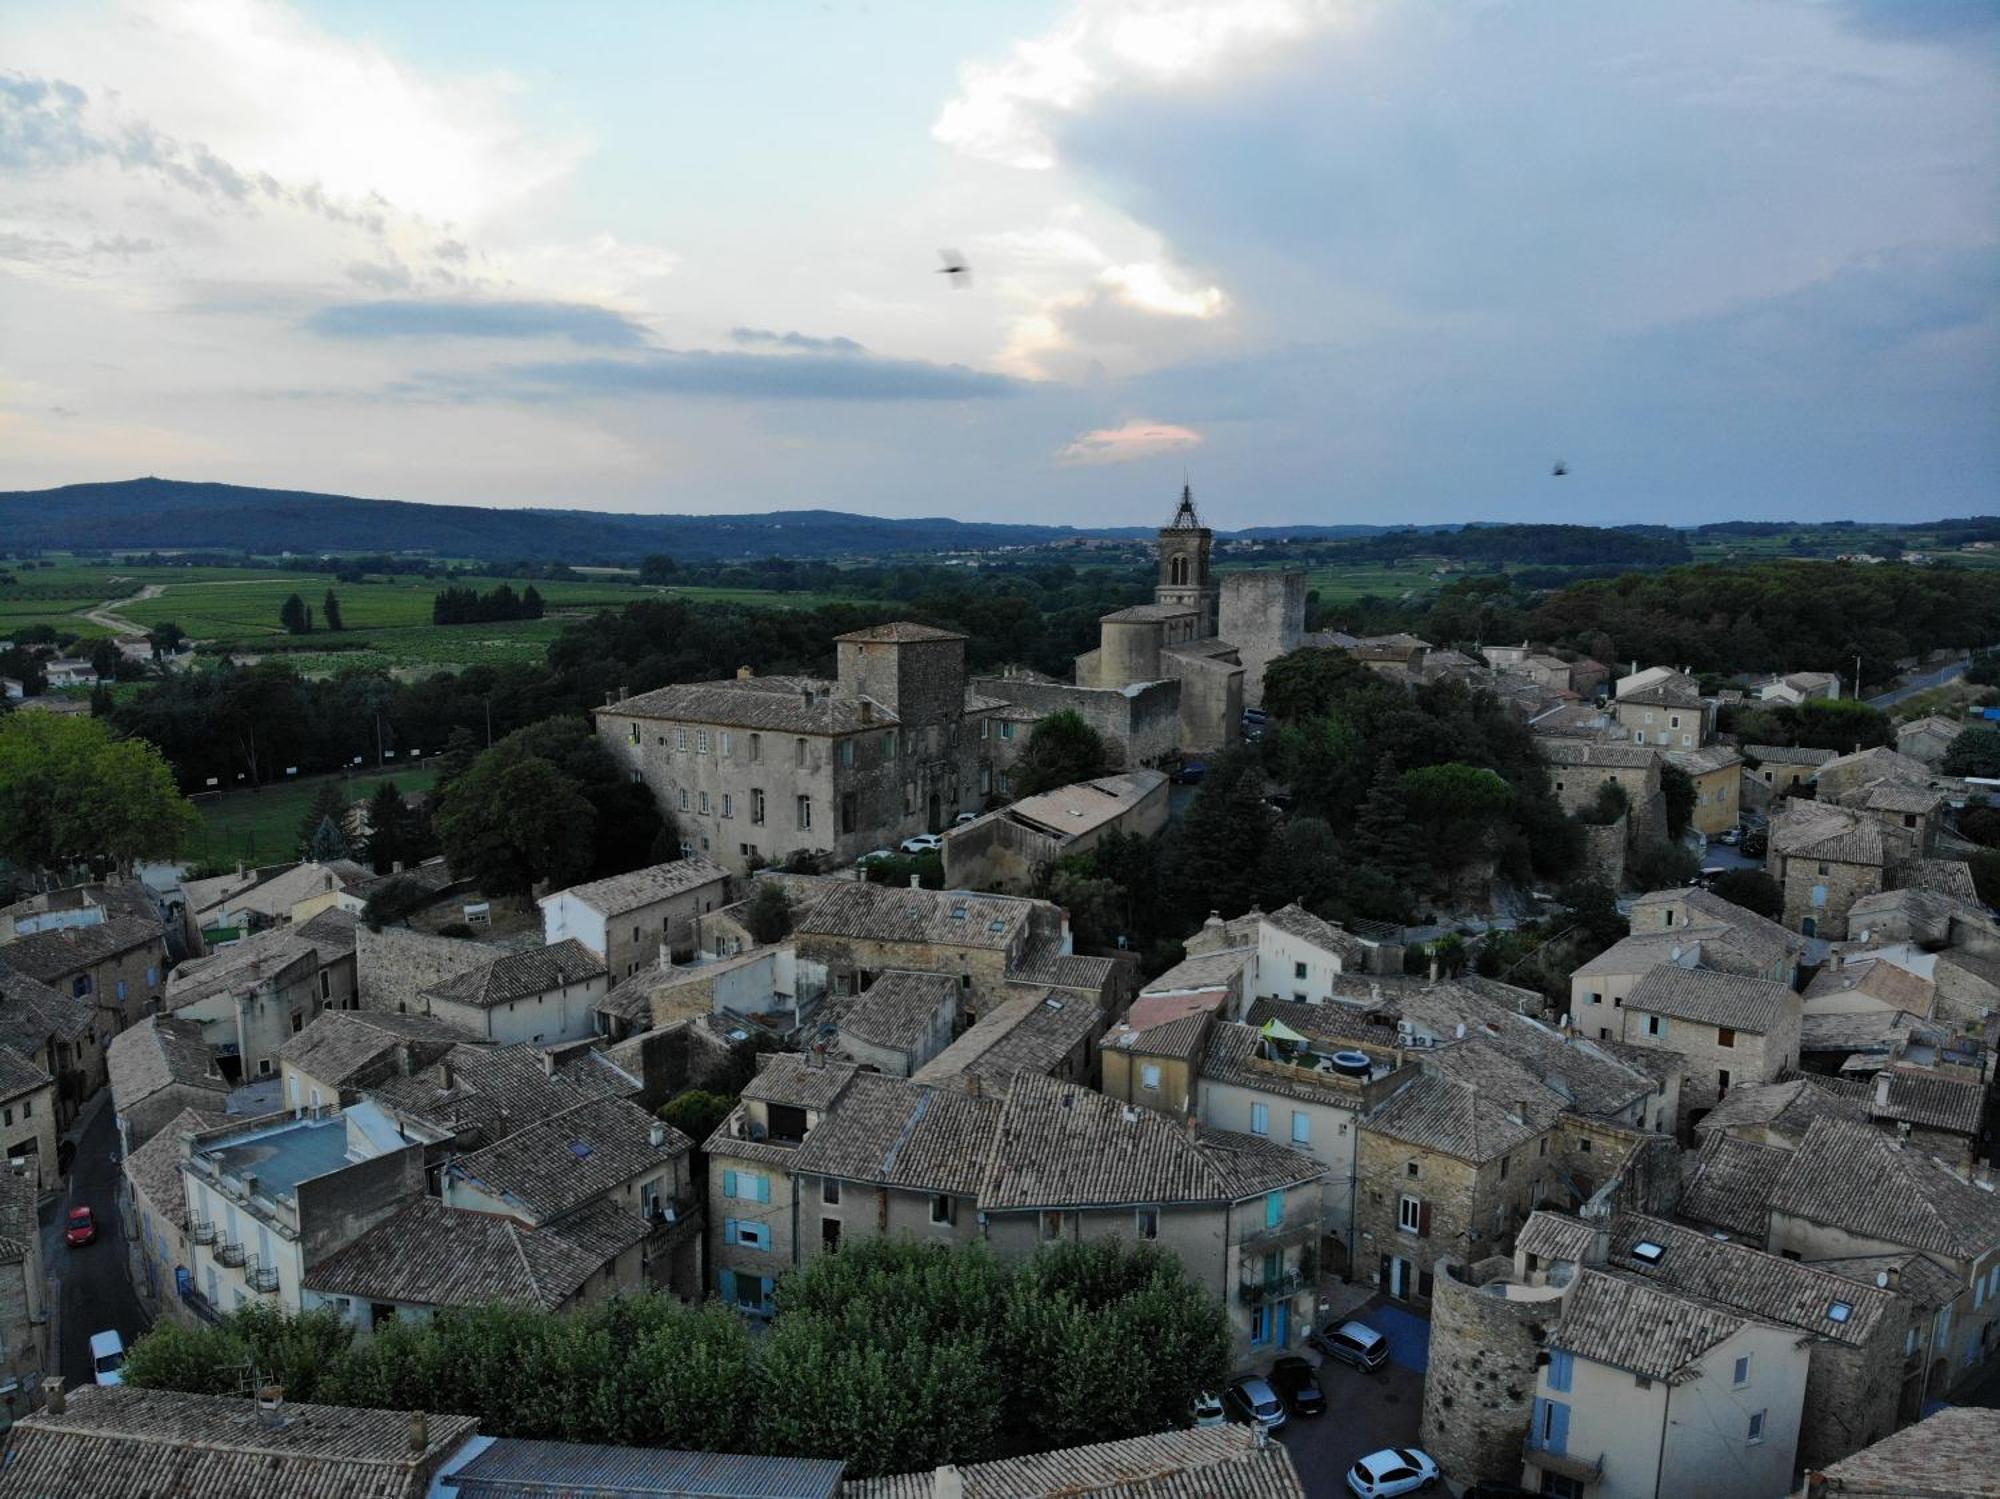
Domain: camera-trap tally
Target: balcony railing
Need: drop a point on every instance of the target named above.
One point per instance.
(262, 1277)
(1263, 1288)
(229, 1253)
(1300, 1229)
(202, 1231)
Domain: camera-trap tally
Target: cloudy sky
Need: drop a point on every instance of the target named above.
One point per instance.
(1339, 260)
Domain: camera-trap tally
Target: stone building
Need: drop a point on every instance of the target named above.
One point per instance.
(1717, 773)
(1956, 1452)
(543, 996)
(1928, 738)
(249, 998)
(116, 961)
(1726, 1029)
(629, 919)
(344, 1052)
(1015, 847)
(1173, 665)
(900, 1022)
(1851, 1191)
(1667, 714)
(1579, 768)
(1732, 938)
(55, 1033)
(1824, 858)
(159, 1067)
(24, 1320)
(1771, 770)
(757, 769)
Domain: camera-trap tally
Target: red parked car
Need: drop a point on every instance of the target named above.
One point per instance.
(82, 1228)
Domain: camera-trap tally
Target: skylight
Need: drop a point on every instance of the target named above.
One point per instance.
(1649, 1253)
(1840, 1311)
(579, 1149)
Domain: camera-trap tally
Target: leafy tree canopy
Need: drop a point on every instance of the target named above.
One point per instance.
(71, 794)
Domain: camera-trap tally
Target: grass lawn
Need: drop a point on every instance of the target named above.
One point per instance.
(262, 827)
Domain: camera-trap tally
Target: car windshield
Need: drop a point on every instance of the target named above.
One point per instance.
(1409, 1457)
(109, 1362)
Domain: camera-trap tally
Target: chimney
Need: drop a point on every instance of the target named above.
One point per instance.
(610, 697)
(420, 1434)
(1193, 1124)
(916, 882)
(971, 1082)
(947, 1484)
(1434, 968)
(1882, 1092)
(444, 1066)
(867, 711)
(744, 674)
(656, 1134)
(54, 1402)
(549, 1063)
(271, 1404)
(807, 690)
(396, 866)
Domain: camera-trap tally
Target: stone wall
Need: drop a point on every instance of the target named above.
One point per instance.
(1604, 851)
(1823, 899)
(396, 964)
(1486, 1349)
(1211, 705)
(1262, 614)
(1140, 724)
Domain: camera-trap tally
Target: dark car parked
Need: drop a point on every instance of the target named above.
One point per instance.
(1298, 1384)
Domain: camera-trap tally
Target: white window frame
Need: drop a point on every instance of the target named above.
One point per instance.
(1409, 1213)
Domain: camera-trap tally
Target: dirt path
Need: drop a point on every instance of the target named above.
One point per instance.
(107, 615)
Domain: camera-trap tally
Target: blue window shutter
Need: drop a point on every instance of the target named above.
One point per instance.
(1274, 1209)
(729, 1230)
(1551, 1431)
(728, 1279)
(1559, 1370)
(729, 1184)
(764, 1285)
(763, 1189)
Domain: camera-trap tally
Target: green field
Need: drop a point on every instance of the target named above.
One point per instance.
(262, 827)
(238, 607)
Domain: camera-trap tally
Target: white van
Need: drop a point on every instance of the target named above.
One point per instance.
(107, 1357)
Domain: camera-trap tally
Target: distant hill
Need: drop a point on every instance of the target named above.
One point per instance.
(167, 513)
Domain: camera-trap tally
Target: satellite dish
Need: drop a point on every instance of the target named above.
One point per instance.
(1882, 1279)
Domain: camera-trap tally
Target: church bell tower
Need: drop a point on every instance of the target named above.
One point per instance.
(1185, 582)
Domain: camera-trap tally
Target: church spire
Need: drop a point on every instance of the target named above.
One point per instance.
(1185, 518)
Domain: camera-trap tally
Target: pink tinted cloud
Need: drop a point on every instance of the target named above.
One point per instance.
(1132, 441)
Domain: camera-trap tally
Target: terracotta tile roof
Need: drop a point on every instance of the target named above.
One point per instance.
(1916, 1277)
(1787, 754)
(1896, 796)
(642, 887)
(1747, 927)
(1951, 878)
(1296, 921)
(155, 1167)
(1084, 806)
(1879, 762)
(901, 630)
(1706, 760)
(1468, 1103)
(63, 951)
(518, 1468)
(32, 1013)
(432, 1255)
(1759, 1006)
(1857, 1178)
(1788, 1108)
(899, 1009)
(484, 1093)
(341, 1046)
(1580, 1074)
(18, 1075)
(1555, 1236)
(1814, 830)
(1214, 1462)
(160, 1052)
(1212, 970)
(1730, 1183)
(520, 975)
(1954, 1454)
(893, 1133)
(277, 955)
(1029, 1035)
(1923, 915)
(1621, 1320)
(896, 913)
(1183, 1038)
(787, 1078)
(1929, 1100)
(1062, 1145)
(1593, 754)
(559, 1163)
(123, 1442)
(1879, 979)
(1341, 1021)
(1749, 1280)
(782, 705)
(1869, 1030)
(1663, 695)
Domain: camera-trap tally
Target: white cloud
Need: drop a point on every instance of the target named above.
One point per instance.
(1004, 112)
(1125, 444)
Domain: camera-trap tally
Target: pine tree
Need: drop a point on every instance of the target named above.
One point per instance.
(388, 829)
(1383, 836)
(329, 803)
(328, 842)
(331, 611)
(292, 615)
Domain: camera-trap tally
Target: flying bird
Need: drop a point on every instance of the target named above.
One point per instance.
(1559, 470)
(955, 267)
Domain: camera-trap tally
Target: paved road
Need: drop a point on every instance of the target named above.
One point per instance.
(1916, 685)
(89, 1287)
(1365, 1413)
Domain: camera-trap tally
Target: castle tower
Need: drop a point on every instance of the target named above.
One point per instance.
(1185, 581)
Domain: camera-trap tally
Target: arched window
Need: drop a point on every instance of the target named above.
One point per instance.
(1177, 571)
